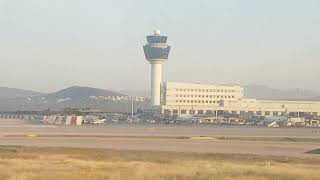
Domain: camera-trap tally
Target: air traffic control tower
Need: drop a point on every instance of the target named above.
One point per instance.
(156, 52)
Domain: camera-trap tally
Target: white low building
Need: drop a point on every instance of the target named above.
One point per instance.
(190, 98)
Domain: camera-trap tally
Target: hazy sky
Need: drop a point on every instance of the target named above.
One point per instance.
(46, 45)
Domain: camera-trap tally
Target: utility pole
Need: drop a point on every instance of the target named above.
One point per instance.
(298, 103)
(132, 108)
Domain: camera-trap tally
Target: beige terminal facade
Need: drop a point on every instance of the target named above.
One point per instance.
(204, 99)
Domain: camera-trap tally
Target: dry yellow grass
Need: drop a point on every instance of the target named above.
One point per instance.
(28, 163)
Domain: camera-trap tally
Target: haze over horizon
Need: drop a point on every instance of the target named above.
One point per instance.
(46, 48)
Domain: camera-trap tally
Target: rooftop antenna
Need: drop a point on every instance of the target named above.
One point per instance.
(156, 32)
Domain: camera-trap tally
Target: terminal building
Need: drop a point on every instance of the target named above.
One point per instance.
(204, 99)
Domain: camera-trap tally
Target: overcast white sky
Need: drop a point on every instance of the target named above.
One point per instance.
(46, 45)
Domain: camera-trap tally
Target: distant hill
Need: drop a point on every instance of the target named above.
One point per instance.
(144, 93)
(73, 97)
(316, 98)
(6, 93)
(78, 92)
(267, 93)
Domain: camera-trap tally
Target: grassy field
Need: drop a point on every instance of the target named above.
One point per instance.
(30, 163)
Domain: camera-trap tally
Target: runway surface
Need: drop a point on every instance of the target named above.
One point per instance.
(29, 134)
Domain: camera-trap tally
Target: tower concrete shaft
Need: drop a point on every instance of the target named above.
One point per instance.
(156, 52)
(156, 76)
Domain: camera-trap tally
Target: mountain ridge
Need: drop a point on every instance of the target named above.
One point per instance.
(263, 92)
(77, 97)
(81, 91)
(7, 92)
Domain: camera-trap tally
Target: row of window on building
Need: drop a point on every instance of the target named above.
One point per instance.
(203, 96)
(207, 90)
(250, 113)
(196, 101)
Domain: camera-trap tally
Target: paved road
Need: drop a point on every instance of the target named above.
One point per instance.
(202, 146)
(181, 145)
(18, 127)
